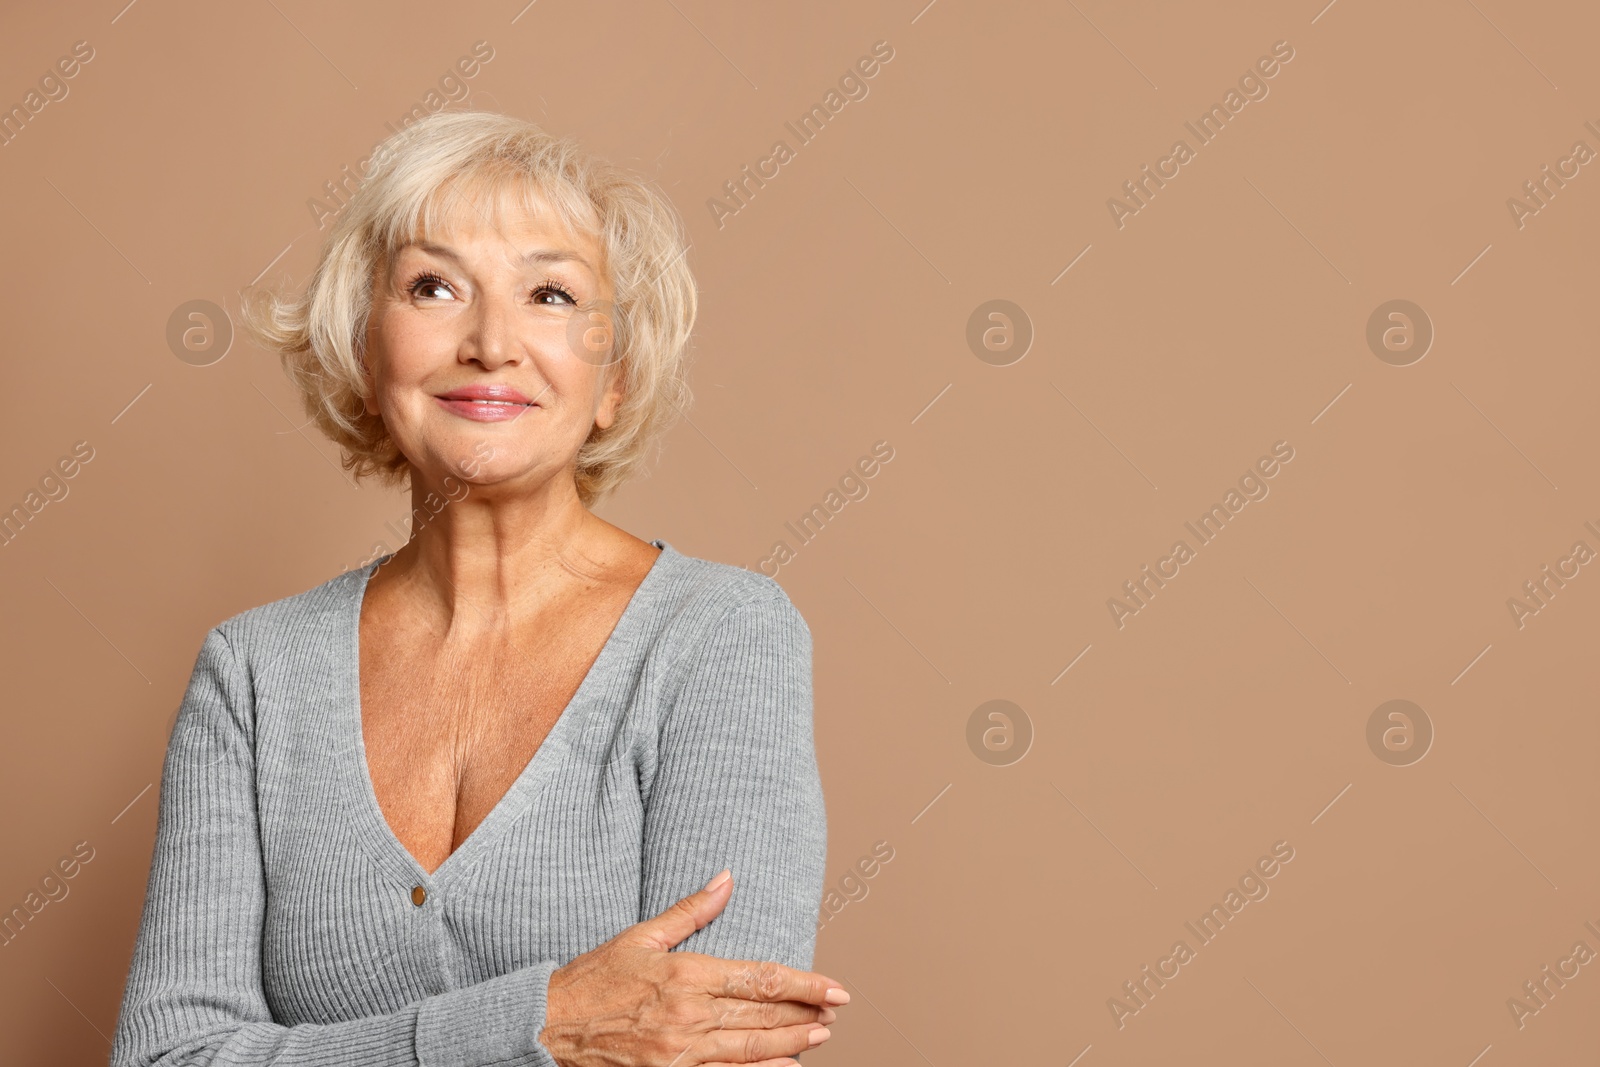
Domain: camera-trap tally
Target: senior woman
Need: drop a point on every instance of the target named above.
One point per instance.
(455, 806)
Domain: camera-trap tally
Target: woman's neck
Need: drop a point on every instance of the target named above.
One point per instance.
(488, 558)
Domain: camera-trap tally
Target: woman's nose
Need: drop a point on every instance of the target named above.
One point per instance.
(492, 340)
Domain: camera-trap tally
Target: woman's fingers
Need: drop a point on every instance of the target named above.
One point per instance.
(708, 1010)
(744, 1047)
(734, 1013)
(685, 917)
(766, 981)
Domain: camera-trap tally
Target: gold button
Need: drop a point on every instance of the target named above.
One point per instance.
(418, 895)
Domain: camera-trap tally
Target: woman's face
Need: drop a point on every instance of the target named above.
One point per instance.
(489, 350)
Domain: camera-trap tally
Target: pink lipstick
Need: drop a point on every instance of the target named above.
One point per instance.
(486, 402)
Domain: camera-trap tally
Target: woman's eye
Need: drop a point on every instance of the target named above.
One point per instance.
(552, 290)
(432, 287)
(422, 286)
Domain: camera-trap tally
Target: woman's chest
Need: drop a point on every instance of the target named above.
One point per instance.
(447, 733)
(552, 870)
(349, 930)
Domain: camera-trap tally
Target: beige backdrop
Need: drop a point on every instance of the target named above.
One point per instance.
(1432, 458)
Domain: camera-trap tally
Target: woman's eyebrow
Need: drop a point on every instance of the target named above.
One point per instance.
(554, 255)
(539, 256)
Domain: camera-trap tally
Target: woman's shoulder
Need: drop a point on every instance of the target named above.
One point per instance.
(711, 589)
(727, 637)
(305, 614)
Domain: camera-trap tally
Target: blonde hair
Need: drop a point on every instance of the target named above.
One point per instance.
(320, 335)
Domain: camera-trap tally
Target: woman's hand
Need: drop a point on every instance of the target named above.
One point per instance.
(632, 1003)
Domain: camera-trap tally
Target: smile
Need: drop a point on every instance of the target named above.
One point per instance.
(484, 410)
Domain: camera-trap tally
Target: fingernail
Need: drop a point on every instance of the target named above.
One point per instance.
(818, 1036)
(836, 996)
(828, 1015)
(718, 880)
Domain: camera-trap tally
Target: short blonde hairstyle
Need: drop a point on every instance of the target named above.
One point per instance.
(321, 334)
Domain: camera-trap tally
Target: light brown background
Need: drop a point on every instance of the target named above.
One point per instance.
(1226, 316)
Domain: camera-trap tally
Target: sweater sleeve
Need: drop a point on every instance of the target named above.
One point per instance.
(736, 785)
(194, 992)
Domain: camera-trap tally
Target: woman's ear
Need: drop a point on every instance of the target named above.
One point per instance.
(364, 359)
(369, 402)
(606, 414)
(366, 356)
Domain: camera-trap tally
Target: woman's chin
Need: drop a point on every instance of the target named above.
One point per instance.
(478, 473)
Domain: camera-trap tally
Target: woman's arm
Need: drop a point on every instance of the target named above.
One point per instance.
(736, 785)
(194, 992)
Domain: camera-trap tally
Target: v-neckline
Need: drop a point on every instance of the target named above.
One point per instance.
(377, 831)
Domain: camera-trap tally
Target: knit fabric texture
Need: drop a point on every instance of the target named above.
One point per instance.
(283, 922)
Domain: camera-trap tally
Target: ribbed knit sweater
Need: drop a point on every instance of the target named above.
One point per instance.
(284, 923)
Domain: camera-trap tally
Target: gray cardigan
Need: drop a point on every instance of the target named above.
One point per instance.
(284, 923)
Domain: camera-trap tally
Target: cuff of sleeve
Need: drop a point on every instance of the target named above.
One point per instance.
(496, 1022)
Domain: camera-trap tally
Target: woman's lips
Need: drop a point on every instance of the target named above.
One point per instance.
(484, 410)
